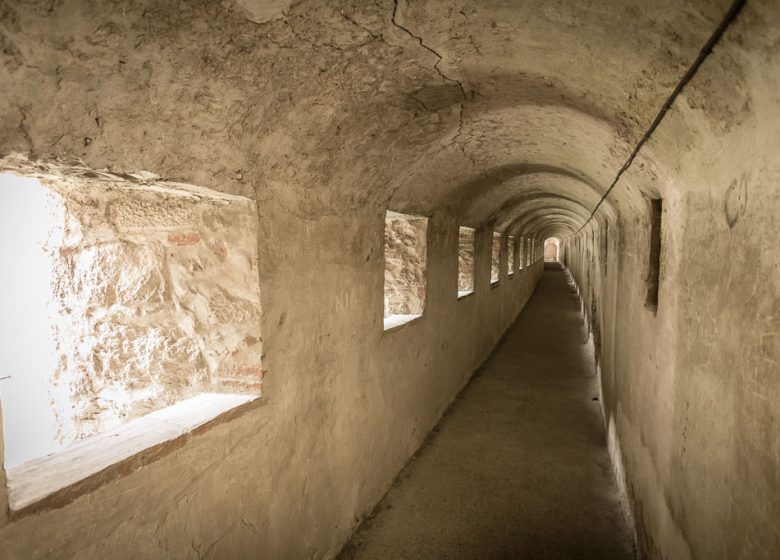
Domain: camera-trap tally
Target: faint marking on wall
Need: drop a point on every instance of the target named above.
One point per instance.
(735, 201)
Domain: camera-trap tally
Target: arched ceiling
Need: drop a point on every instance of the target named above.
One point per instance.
(558, 94)
(512, 113)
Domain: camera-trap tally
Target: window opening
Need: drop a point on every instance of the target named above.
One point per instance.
(495, 258)
(130, 314)
(511, 247)
(465, 261)
(405, 267)
(521, 254)
(654, 266)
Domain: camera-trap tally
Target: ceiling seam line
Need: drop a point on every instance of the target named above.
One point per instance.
(728, 18)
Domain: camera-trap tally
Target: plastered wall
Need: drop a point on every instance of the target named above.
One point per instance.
(512, 118)
(690, 391)
(344, 406)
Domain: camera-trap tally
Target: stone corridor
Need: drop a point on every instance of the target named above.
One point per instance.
(252, 251)
(518, 466)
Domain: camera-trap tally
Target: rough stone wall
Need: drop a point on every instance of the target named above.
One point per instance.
(158, 300)
(405, 264)
(466, 249)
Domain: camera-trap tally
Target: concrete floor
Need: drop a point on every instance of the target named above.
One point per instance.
(518, 467)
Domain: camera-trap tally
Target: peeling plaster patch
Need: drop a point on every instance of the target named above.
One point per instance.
(263, 11)
(435, 98)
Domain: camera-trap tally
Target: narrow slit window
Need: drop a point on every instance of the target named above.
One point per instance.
(527, 259)
(131, 315)
(654, 266)
(495, 258)
(406, 239)
(510, 254)
(521, 255)
(465, 261)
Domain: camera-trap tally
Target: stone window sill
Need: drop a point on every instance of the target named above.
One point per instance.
(464, 293)
(59, 478)
(395, 321)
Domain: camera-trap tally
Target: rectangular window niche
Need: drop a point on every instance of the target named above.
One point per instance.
(495, 258)
(142, 322)
(406, 240)
(654, 254)
(510, 254)
(465, 261)
(521, 254)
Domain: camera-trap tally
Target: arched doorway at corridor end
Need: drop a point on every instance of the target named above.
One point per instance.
(551, 249)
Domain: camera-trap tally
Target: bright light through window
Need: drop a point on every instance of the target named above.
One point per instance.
(31, 227)
(119, 304)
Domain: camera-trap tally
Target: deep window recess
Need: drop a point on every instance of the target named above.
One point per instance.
(405, 263)
(511, 247)
(495, 258)
(654, 266)
(527, 252)
(521, 254)
(130, 314)
(465, 261)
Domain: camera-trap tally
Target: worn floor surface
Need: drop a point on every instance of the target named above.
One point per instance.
(518, 468)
